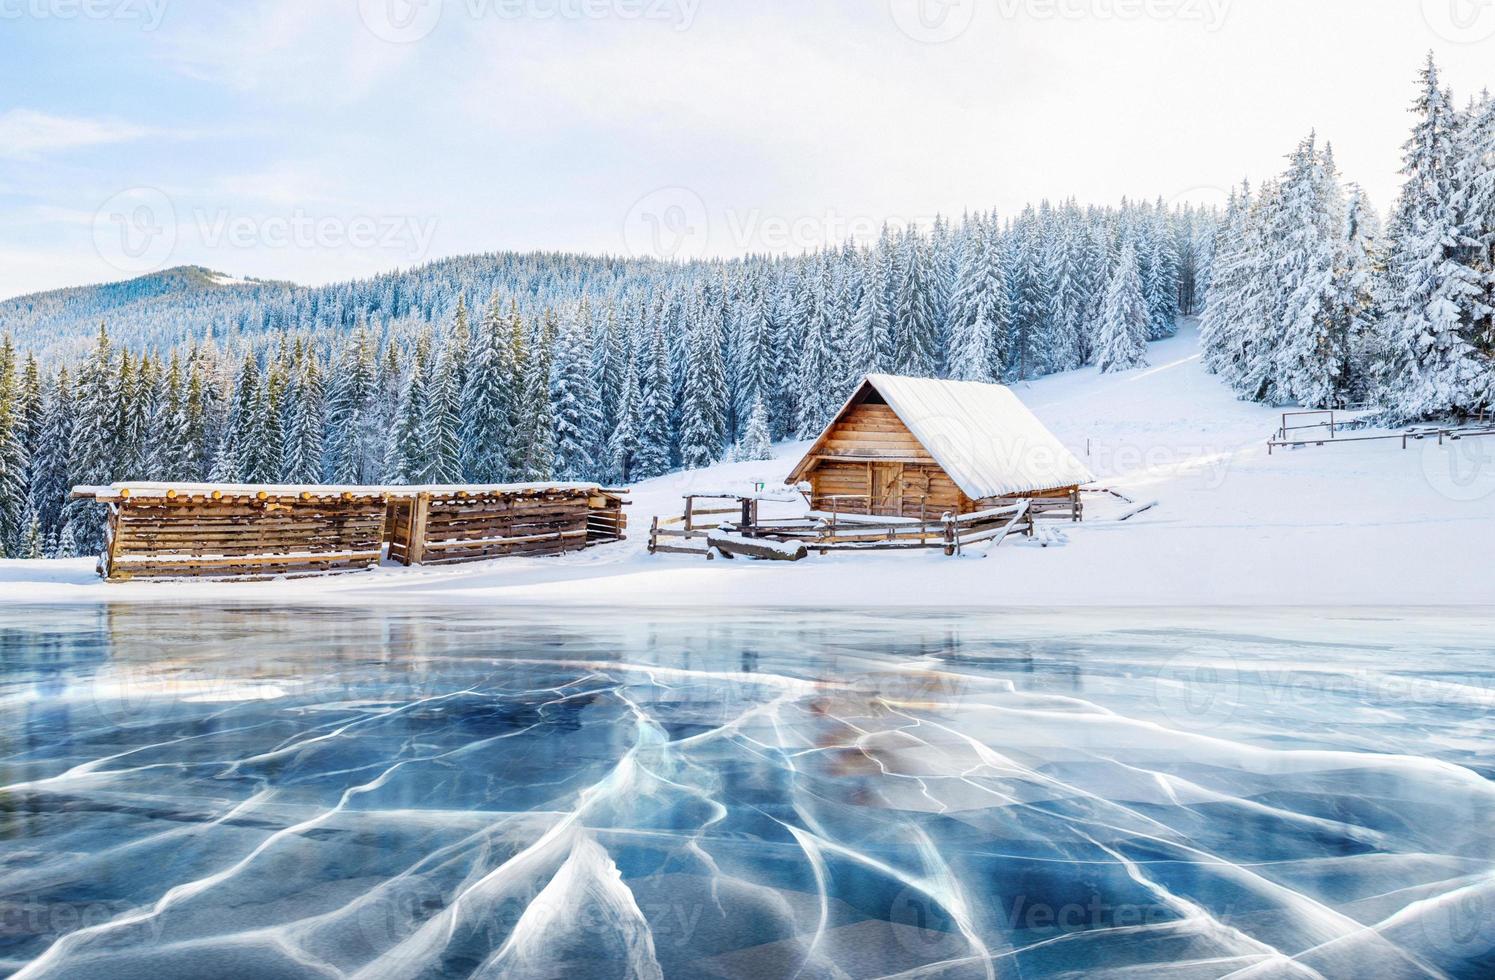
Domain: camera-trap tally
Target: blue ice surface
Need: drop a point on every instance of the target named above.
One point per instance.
(239, 791)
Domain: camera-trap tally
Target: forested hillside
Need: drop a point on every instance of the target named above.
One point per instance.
(528, 367)
(1312, 304)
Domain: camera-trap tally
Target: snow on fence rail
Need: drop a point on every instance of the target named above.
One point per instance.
(1414, 434)
(242, 531)
(832, 532)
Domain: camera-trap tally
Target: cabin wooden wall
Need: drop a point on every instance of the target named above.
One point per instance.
(195, 537)
(874, 430)
(888, 489)
(888, 472)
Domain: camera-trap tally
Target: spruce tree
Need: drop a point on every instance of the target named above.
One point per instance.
(442, 425)
(703, 420)
(304, 425)
(916, 328)
(406, 458)
(487, 402)
(1122, 338)
(981, 322)
(623, 443)
(49, 467)
(655, 435)
(574, 398)
(756, 443)
(13, 462)
(92, 448)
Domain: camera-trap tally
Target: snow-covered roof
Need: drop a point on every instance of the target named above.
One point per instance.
(982, 435)
(113, 491)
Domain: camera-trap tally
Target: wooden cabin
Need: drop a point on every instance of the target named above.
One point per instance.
(231, 531)
(919, 447)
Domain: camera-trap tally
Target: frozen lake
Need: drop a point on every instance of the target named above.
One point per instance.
(249, 792)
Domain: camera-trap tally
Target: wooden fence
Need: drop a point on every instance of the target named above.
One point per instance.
(827, 532)
(1416, 433)
(202, 531)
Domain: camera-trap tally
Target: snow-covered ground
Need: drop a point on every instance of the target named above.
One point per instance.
(1358, 523)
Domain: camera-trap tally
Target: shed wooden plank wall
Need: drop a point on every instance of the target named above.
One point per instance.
(443, 530)
(188, 537)
(209, 534)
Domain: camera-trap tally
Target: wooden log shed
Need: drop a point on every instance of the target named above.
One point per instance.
(921, 448)
(231, 531)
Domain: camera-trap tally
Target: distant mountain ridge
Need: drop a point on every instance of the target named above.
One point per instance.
(61, 318)
(191, 303)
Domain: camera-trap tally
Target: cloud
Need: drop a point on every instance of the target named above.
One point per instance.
(26, 134)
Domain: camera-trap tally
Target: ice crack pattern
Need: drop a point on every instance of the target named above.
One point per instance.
(324, 792)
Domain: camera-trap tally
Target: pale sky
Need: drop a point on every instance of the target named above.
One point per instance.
(318, 140)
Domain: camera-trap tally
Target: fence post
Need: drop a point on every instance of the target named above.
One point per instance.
(654, 534)
(690, 505)
(952, 543)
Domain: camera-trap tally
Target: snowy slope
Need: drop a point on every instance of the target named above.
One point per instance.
(1365, 523)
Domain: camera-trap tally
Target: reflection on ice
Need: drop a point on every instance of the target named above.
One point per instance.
(243, 792)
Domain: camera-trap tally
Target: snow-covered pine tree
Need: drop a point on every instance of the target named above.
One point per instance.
(575, 402)
(521, 371)
(13, 461)
(537, 416)
(440, 427)
(172, 450)
(348, 412)
(818, 394)
(92, 447)
(1311, 336)
(1220, 322)
(406, 457)
(609, 365)
(915, 326)
(1064, 346)
(872, 322)
(29, 408)
(755, 361)
(1434, 369)
(1027, 301)
(49, 467)
(981, 323)
(756, 443)
(1356, 286)
(703, 421)
(654, 432)
(623, 443)
(304, 425)
(487, 401)
(1121, 344)
(1160, 281)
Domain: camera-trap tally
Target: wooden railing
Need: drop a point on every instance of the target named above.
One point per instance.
(827, 532)
(1414, 434)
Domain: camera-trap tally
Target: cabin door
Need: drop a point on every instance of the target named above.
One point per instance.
(887, 489)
